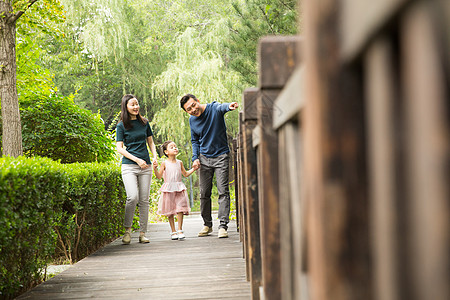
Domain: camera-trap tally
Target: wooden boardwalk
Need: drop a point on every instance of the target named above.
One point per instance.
(197, 268)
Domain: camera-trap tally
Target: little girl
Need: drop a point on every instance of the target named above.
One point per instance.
(174, 199)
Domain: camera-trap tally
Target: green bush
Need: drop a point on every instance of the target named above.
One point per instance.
(93, 208)
(57, 128)
(48, 209)
(29, 191)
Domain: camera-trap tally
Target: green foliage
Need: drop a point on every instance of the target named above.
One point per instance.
(255, 19)
(30, 189)
(198, 68)
(93, 208)
(101, 25)
(48, 209)
(57, 128)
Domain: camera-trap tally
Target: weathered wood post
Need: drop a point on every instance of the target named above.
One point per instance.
(335, 162)
(277, 58)
(250, 181)
(235, 182)
(425, 61)
(242, 212)
(288, 122)
(377, 140)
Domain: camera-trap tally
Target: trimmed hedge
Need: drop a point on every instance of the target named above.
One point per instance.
(48, 210)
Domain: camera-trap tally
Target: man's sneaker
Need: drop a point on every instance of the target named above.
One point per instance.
(205, 231)
(222, 233)
(174, 236)
(143, 239)
(126, 238)
(181, 235)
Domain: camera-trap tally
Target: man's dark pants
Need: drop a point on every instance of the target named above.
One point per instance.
(218, 165)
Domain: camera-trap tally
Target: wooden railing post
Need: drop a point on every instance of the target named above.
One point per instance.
(242, 175)
(277, 60)
(236, 184)
(250, 181)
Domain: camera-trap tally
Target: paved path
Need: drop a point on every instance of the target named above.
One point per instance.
(197, 268)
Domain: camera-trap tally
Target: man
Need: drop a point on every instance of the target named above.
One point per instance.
(210, 153)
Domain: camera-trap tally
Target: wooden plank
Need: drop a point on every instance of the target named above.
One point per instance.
(163, 269)
(295, 148)
(278, 56)
(252, 217)
(243, 235)
(361, 20)
(249, 102)
(335, 163)
(251, 190)
(256, 136)
(268, 196)
(381, 94)
(287, 265)
(291, 99)
(236, 183)
(427, 124)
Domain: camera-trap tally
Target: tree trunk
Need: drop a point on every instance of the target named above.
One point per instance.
(12, 131)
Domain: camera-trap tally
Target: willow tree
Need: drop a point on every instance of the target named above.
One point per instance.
(199, 68)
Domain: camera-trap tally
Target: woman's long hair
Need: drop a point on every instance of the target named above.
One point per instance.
(125, 116)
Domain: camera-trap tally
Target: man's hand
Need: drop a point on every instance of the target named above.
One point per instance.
(233, 105)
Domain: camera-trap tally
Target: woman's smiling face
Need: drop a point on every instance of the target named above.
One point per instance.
(133, 108)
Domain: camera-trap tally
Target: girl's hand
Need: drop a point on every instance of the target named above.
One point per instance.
(196, 164)
(155, 162)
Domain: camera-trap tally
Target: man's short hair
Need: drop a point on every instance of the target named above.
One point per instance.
(185, 99)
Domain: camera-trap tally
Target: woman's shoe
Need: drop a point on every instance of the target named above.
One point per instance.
(181, 235)
(174, 236)
(126, 238)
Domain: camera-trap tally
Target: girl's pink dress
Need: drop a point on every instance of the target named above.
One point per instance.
(174, 197)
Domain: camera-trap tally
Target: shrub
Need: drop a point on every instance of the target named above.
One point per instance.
(48, 209)
(57, 128)
(29, 191)
(93, 209)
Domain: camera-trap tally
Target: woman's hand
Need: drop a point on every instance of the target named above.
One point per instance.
(142, 163)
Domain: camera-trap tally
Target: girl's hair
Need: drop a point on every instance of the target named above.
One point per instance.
(164, 147)
(125, 116)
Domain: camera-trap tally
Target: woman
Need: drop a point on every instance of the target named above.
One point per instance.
(134, 132)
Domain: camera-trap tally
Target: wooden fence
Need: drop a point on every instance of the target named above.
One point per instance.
(343, 155)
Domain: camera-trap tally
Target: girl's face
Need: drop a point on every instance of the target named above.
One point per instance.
(171, 150)
(133, 108)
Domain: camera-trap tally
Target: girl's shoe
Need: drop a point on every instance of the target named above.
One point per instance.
(181, 235)
(174, 236)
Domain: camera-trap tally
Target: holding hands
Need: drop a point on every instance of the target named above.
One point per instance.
(196, 164)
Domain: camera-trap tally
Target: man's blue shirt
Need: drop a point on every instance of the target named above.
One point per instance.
(209, 132)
